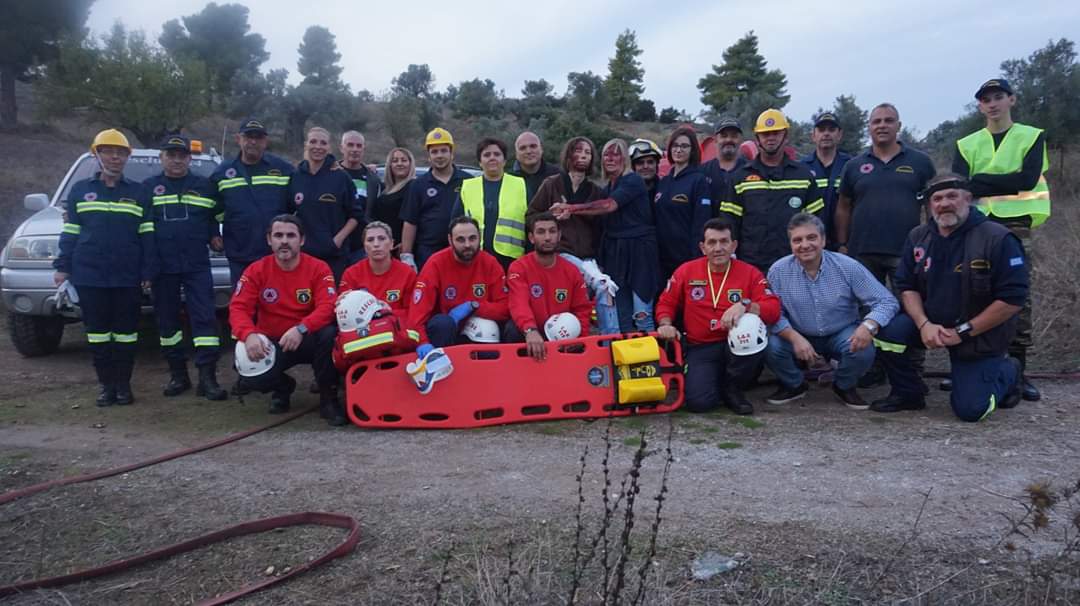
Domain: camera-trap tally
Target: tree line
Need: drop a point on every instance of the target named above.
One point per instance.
(209, 62)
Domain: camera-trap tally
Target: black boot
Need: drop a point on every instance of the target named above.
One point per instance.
(330, 407)
(106, 395)
(1028, 391)
(736, 400)
(178, 379)
(123, 383)
(106, 385)
(208, 385)
(280, 398)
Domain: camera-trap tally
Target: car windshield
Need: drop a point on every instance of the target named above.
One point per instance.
(138, 168)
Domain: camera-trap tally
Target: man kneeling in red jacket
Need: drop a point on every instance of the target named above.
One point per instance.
(284, 306)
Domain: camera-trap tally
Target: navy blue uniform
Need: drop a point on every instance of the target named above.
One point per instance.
(980, 382)
(682, 206)
(718, 178)
(184, 212)
(427, 206)
(628, 252)
(828, 183)
(324, 202)
(107, 249)
(251, 196)
(368, 189)
(884, 199)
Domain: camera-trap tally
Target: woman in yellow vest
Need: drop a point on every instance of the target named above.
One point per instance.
(497, 201)
(1005, 164)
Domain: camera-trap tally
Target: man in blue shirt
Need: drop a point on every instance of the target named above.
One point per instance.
(827, 163)
(253, 188)
(963, 280)
(821, 293)
(425, 214)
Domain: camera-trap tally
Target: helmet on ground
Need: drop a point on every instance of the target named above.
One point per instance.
(481, 330)
(771, 120)
(749, 336)
(641, 148)
(439, 136)
(355, 309)
(562, 326)
(253, 368)
(110, 136)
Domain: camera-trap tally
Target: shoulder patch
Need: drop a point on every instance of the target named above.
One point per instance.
(1016, 261)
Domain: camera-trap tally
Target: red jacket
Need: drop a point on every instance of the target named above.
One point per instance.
(395, 286)
(689, 291)
(538, 292)
(446, 282)
(282, 299)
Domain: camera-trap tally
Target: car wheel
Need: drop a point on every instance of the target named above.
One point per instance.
(35, 335)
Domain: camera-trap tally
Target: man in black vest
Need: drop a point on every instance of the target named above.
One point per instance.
(962, 280)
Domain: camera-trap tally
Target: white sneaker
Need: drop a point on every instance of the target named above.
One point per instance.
(426, 371)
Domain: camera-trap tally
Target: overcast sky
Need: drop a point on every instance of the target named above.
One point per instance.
(926, 56)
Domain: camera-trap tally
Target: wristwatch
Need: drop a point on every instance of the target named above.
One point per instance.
(300, 328)
(870, 326)
(964, 331)
(528, 330)
(746, 302)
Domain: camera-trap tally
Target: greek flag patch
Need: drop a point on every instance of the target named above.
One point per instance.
(706, 202)
(1013, 262)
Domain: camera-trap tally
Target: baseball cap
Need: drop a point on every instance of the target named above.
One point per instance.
(994, 84)
(252, 126)
(727, 122)
(825, 118)
(175, 142)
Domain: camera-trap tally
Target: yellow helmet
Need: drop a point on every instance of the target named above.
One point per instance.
(770, 120)
(439, 136)
(110, 137)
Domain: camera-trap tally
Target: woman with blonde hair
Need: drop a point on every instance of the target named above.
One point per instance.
(400, 172)
(628, 250)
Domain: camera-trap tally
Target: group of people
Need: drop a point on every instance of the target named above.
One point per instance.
(332, 265)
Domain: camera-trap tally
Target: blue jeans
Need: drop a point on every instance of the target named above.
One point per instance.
(780, 358)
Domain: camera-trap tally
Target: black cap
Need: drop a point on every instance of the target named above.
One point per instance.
(826, 118)
(252, 126)
(1000, 84)
(946, 182)
(727, 122)
(175, 142)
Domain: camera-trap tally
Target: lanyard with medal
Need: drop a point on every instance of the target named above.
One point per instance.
(716, 294)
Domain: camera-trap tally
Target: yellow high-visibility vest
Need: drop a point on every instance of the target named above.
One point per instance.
(509, 240)
(978, 150)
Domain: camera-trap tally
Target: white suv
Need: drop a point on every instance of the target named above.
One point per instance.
(26, 273)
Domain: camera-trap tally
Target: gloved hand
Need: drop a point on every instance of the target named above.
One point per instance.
(423, 350)
(463, 310)
(410, 260)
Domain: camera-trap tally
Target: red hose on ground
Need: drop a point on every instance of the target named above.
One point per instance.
(252, 527)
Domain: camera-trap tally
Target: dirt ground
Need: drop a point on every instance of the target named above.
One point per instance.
(823, 504)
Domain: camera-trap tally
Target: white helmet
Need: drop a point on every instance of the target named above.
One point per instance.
(562, 326)
(253, 368)
(749, 336)
(481, 330)
(355, 309)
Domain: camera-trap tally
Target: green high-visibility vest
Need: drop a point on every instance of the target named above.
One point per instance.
(509, 240)
(978, 150)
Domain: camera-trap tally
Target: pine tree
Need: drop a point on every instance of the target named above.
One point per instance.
(744, 72)
(319, 59)
(623, 82)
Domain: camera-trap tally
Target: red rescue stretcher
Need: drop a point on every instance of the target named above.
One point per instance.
(589, 377)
